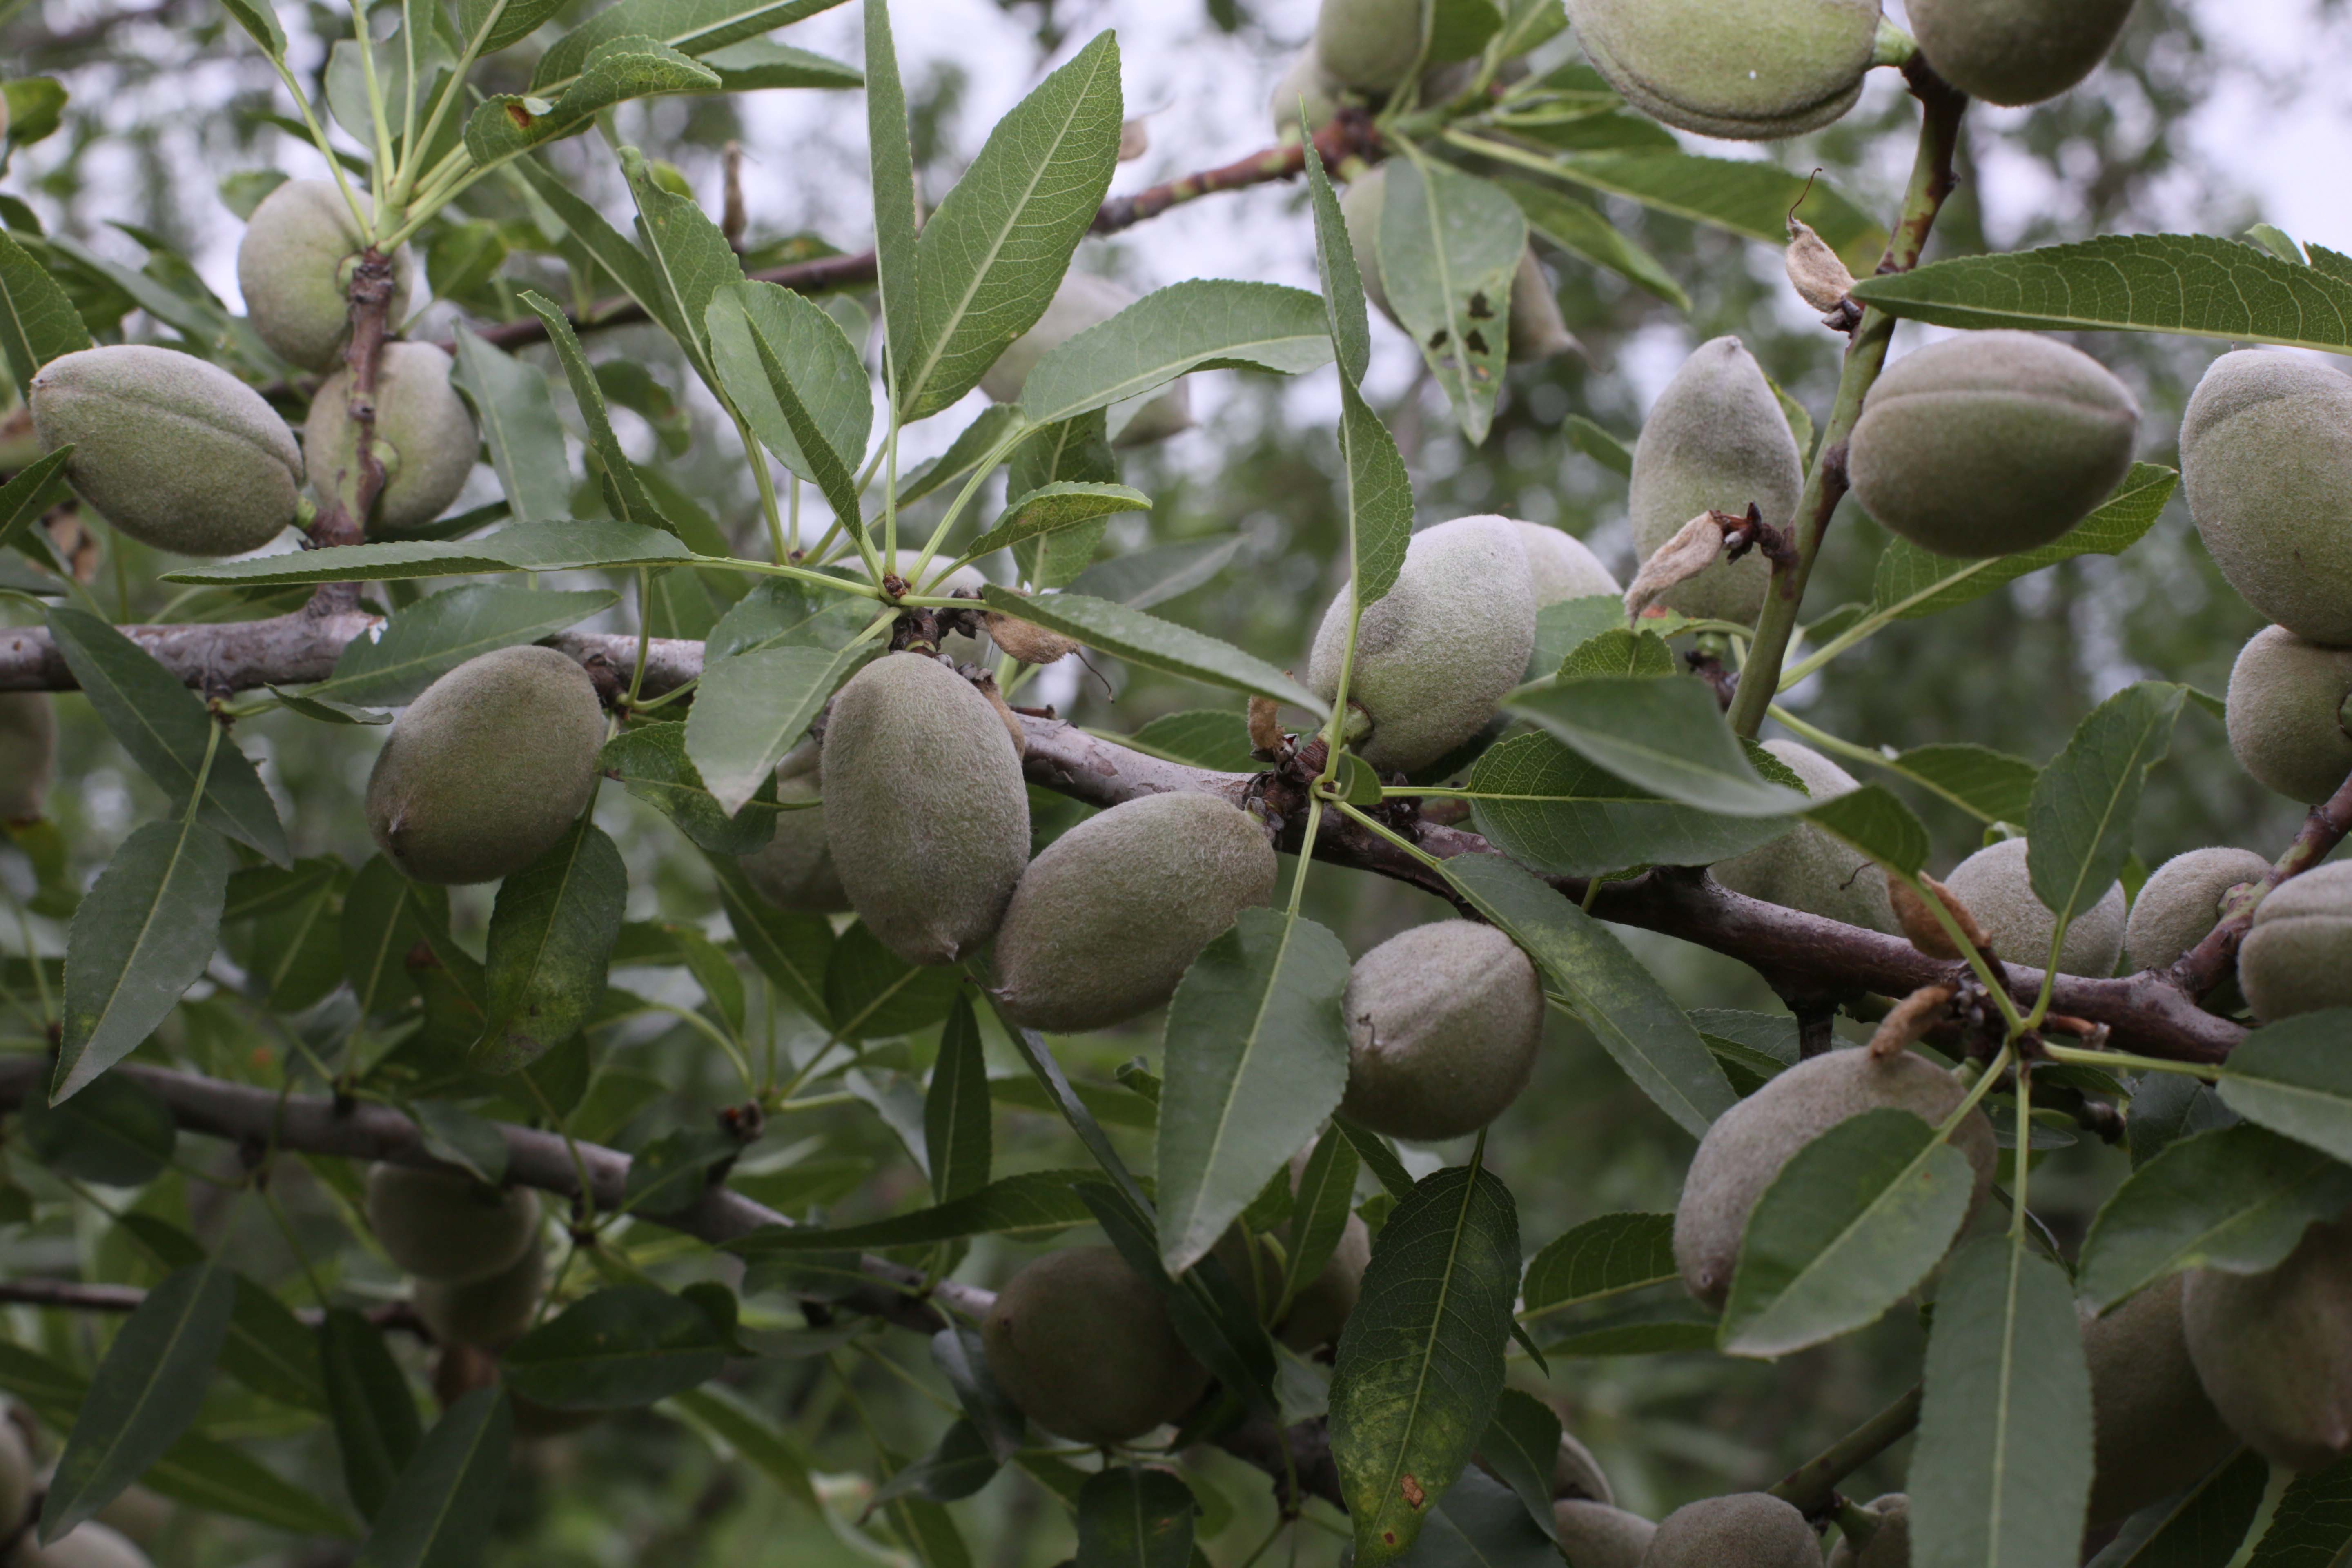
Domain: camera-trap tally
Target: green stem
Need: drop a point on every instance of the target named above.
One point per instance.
(1865, 357)
(1810, 1485)
(2130, 1063)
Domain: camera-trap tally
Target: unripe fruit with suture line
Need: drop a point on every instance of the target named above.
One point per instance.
(1537, 330)
(1597, 1535)
(2266, 464)
(175, 452)
(487, 768)
(1084, 300)
(1081, 1344)
(793, 870)
(1748, 1143)
(1437, 653)
(2016, 51)
(2157, 1431)
(2182, 902)
(1754, 70)
(2297, 956)
(1991, 443)
(1889, 1547)
(1560, 567)
(1443, 1021)
(1997, 888)
(1715, 440)
(2274, 1350)
(442, 1224)
(28, 753)
(925, 808)
(89, 1545)
(1807, 870)
(425, 437)
(485, 1312)
(1368, 45)
(1106, 921)
(1745, 1529)
(294, 268)
(2286, 714)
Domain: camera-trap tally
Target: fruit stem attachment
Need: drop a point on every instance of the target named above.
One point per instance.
(358, 475)
(2205, 965)
(1932, 180)
(1811, 1486)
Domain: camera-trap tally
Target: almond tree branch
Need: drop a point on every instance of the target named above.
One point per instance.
(2204, 966)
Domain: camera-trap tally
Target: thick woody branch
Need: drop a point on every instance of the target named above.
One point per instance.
(74, 1296)
(1350, 135)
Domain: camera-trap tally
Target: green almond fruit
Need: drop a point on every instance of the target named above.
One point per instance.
(1996, 886)
(1437, 653)
(2182, 902)
(2266, 464)
(2274, 1350)
(1754, 70)
(1443, 1021)
(1082, 301)
(1991, 443)
(28, 754)
(2285, 713)
(173, 450)
(793, 870)
(1081, 1344)
(487, 768)
(444, 1226)
(2016, 52)
(487, 1312)
(1560, 566)
(2297, 956)
(1575, 1473)
(1806, 868)
(424, 436)
(1370, 46)
(1715, 440)
(1599, 1535)
(926, 811)
(1106, 921)
(294, 268)
(1889, 1546)
(2157, 1431)
(1745, 1529)
(1306, 81)
(1749, 1143)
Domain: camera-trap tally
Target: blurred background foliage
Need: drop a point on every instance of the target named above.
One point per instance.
(167, 92)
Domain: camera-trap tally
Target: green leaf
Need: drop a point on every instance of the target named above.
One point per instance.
(2201, 1528)
(974, 443)
(1522, 1447)
(1256, 1058)
(38, 321)
(1610, 992)
(1911, 582)
(1482, 1523)
(2293, 1077)
(519, 426)
(1148, 640)
(259, 19)
(1211, 1314)
(146, 1391)
(1668, 736)
(507, 126)
(1319, 1211)
(753, 708)
(759, 63)
(1989, 786)
(1341, 279)
(1449, 243)
(1749, 198)
(1200, 324)
(988, 261)
(211, 1476)
(2188, 283)
(386, 916)
(791, 947)
(2079, 824)
(551, 937)
(1599, 445)
(956, 1108)
(493, 24)
(691, 256)
(614, 476)
(441, 1509)
(890, 168)
(610, 249)
(690, 27)
(796, 379)
(2237, 1198)
(2002, 1472)
(425, 640)
(1579, 228)
(142, 936)
(622, 1347)
(30, 492)
(721, 1415)
(1052, 508)
(2311, 1525)
(1202, 737)
(1549, 809)
(119, 1133)
(675, 1169)
(958, 1465)
(166, 728)
(651, 762)
(1030, 1206)
(1851, 1225)
(962, 1355)
(374, 1415)
(1873, 821)
(1153, 576)
(1135, 1517)
(1601, 1258)
(872, 994)
(1420, 1364)
(519, 547)
(455, 1136)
